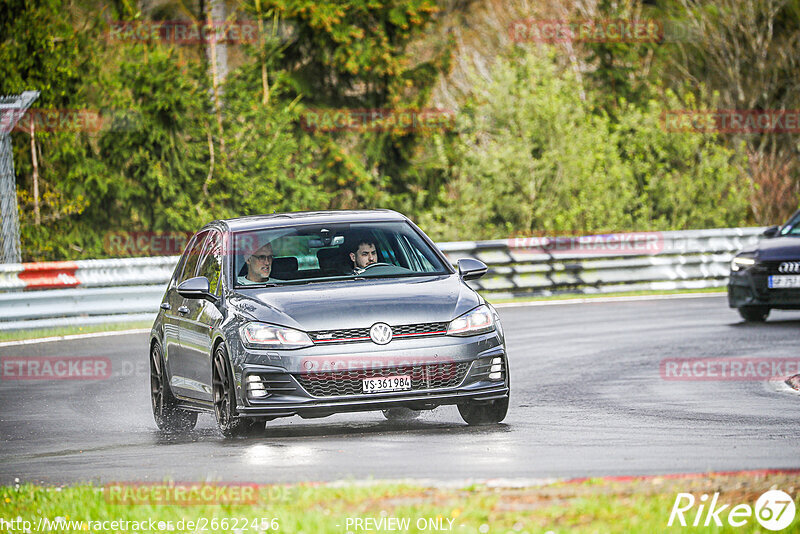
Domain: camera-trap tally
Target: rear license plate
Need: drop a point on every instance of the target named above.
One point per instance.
(784, 281)
(386, 383)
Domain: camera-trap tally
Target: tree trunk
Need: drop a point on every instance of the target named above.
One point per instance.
(217, 58)
(37, 218)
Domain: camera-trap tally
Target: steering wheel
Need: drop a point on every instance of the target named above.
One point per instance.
(371, 265)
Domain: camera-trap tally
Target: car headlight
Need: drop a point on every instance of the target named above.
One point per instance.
(477, 321)
(265, 336)
(742, 262)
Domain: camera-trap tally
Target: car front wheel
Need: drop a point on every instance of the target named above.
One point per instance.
(168, 416)
(225, 399)
(755, 314)
(484, 414)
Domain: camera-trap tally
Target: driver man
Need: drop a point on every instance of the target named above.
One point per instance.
(259, 265)
(364, 255)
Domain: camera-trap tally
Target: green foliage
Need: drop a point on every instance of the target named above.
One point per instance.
(535, 148)
(532, 157)
(683, 180)
(346, 45)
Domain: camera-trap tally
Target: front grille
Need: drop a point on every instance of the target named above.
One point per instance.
(334, 336)
(340, 383)
(350, 335)
(770, 267)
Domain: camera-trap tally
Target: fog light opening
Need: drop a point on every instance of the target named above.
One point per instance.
(255, 387)
(496, 369)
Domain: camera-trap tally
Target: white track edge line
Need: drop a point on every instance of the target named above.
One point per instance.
(73, 336)
(608, 299)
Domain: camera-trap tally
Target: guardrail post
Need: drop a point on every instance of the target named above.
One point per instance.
(12, 108)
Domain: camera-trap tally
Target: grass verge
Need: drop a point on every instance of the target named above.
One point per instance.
(16, 335)
(594, 505)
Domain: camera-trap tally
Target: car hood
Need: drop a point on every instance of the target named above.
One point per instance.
(358, 303)
(776, 249)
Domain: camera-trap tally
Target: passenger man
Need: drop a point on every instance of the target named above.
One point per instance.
(259, 265)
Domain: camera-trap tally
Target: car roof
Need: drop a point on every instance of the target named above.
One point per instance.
(254, 222)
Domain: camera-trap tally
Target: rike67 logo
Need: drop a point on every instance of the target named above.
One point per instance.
(774, 510)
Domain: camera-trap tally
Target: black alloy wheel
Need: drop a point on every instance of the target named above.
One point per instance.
(229, 424)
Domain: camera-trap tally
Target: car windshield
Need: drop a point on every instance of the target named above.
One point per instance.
(318, 253)
(792, 228)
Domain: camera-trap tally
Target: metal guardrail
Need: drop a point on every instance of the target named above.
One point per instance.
(44, 295)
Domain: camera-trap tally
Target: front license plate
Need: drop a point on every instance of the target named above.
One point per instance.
(386, 383)
(784, 281)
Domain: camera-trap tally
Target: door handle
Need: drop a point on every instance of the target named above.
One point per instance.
(165, 306)
(183, 310)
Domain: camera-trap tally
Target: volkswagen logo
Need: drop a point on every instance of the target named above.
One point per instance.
(380, 333)
(789, 267)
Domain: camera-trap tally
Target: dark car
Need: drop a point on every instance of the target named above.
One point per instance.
(317, 313)
(766, 276)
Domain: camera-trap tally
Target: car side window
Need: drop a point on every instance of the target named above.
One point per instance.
(192, 257)
(386, 253)
(211, 263)
(418, 261)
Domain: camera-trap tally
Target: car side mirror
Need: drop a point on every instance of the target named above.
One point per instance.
(196, 288)
(471, 269)
(772, 231)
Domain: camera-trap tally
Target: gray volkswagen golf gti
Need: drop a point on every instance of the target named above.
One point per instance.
(317, 313)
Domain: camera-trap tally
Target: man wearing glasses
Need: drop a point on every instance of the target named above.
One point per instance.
(259, 265)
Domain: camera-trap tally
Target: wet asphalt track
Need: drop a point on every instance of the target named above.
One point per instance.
(587, 400)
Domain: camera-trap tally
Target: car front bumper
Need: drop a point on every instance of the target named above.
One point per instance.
(750, 287)
(327, 379)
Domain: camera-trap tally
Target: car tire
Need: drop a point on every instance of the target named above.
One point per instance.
(488, 413)
(166, 413)
(755, 314)
(224, 392)
(400, 414)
